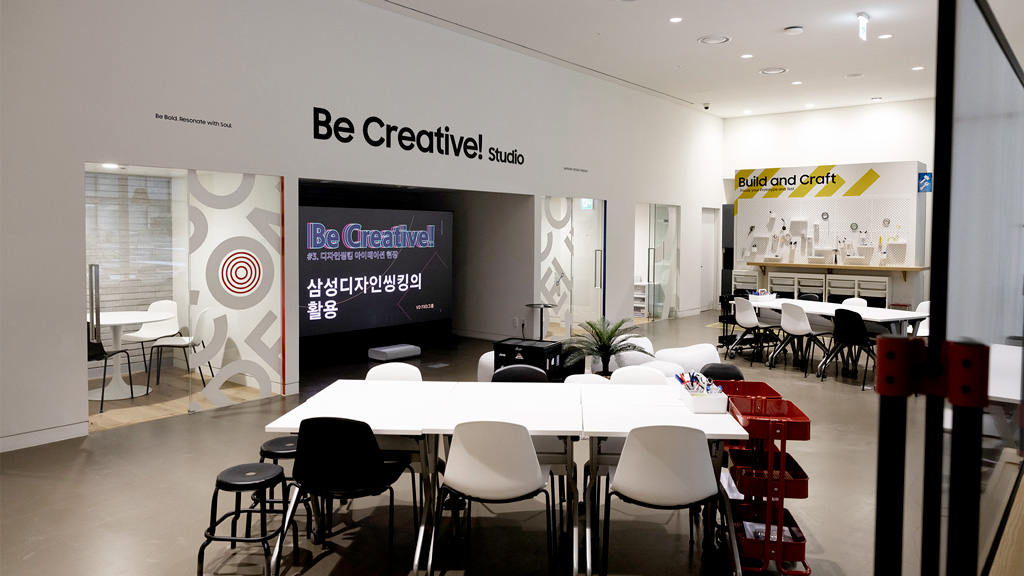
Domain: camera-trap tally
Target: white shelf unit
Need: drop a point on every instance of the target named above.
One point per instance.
(744, 280)
(796, 283)
(876, 289)
(639, 299)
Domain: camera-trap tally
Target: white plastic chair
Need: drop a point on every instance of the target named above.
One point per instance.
(194, 339)
(491, 462)
(759, 331)
(637, 375)
(665, 367)
(691, 358)
(401, 447)
(485, 367)
(394, 371)
(855, 302)
(585, 379)
(796, 325)
(151, 331)
(632, 357)
(664, 467)
(924, 326)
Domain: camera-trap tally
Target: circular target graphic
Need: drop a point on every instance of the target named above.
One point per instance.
(240, 272)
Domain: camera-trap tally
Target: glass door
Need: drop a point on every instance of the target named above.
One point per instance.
(234, 287)
(571, 263)
(662, 261)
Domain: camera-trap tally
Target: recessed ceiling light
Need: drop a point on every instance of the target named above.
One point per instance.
(793, 30)
(675, 20)
(876, 99)
(746, 111)
(747, 56)
(855, 75)
(771, 71)
(916, 68)
(885, 36)
(797, 83)
(810, 106)
(713, 39)
(109, 166)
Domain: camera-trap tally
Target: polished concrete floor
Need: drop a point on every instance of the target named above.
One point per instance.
(135, 500)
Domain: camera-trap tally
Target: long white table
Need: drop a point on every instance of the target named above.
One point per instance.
(1004, 387)
(900, 318)
(428, 410)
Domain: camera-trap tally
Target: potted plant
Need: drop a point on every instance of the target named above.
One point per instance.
(602, 339)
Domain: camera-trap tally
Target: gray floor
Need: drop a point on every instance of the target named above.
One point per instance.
(135, 500)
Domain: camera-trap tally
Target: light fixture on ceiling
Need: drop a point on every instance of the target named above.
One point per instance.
(876, 99)
(855, 75)
(797, 83)
(862, 21)
(745, 56)
(109, 166)
(746, 111)
(810, 106)
(793, 30)
(675, 20)
(885, 36)
(773, 71)
(713, 39)
(917, 68)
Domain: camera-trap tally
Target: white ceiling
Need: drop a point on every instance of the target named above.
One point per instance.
(632, 42)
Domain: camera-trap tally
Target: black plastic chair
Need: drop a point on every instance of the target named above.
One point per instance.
(519, 373)
(340, 458)
(850, 337)
(98, 352)
(722, 371)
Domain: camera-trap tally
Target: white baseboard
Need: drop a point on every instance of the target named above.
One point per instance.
(46, 436)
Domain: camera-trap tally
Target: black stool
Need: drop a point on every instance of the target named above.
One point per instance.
(276, 449)
(257, 478)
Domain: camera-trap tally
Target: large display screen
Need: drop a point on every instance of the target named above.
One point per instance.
(366, 268)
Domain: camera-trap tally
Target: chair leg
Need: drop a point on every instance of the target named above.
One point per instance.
(103, 384)
(144, 364)
(391, 528)
(607, 533)
(433, 533)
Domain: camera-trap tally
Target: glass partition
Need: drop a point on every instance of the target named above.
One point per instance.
(572, 263)
(164, 245)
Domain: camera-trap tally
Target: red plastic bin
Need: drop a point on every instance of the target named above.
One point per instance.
(755, 547)
(751, 471)
(757, 415)
(747, 388)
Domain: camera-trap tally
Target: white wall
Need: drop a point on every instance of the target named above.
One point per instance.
(86, 81)
(863, 134)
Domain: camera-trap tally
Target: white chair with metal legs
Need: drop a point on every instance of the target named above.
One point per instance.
(759, 331)
(401, 447)
(194, 339)
(491, 462)
(666, 468)
(152, 331)
(798, 328)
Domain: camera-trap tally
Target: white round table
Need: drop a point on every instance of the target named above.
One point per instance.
(118, 389)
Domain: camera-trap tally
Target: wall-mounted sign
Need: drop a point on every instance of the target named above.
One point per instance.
(924, 182)
(440, 140)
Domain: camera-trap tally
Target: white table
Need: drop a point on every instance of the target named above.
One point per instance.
(869, 313)
(118, 389)
(429, 410)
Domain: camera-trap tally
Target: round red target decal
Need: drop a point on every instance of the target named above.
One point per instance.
(240, 272)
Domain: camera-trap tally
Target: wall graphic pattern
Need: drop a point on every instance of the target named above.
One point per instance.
(556, 259)
(235, 251)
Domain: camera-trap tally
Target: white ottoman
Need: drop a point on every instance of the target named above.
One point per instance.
(691, 358)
